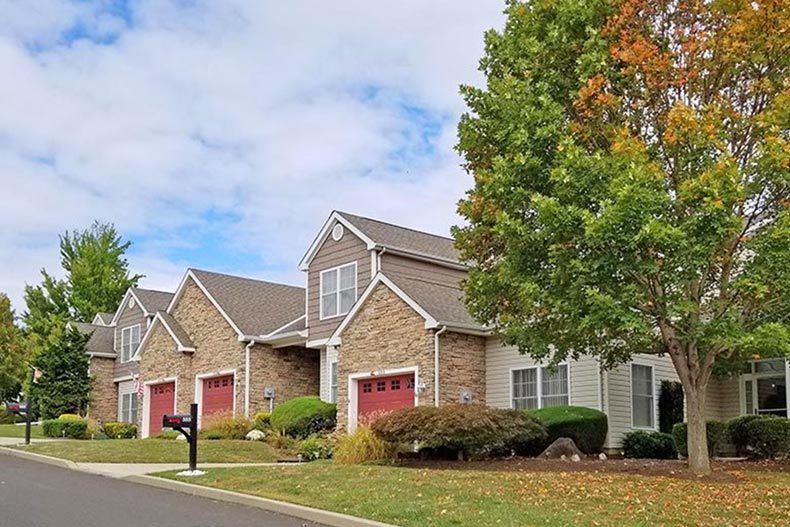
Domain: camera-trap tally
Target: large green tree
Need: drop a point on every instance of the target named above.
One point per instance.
(97, 272)
(12, 355)
(65, 384)
(631, 161)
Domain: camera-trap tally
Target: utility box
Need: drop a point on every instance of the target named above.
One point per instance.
(268, 393)
(465, 397)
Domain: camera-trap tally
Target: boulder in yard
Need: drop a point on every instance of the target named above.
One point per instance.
(562, 447)
(255, 435)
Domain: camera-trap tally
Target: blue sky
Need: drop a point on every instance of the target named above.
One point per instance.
(220, 135)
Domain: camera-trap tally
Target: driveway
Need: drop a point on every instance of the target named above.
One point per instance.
(37, 495)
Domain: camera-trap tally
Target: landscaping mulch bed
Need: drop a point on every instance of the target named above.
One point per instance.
(723, 471)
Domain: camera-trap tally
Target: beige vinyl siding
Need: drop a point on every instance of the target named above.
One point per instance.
(501, 360)
(723, 399)
(420, 269)
(328, 356)
(333, 254)
(618, 392)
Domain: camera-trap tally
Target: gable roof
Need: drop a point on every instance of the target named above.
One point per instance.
(439, 304)
(102, 319)
(173, 328)
(149, 300)
(251, 307)
(379, 235)
(101, 340)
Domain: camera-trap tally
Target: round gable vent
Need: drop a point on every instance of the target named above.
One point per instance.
(131, 302)
(337, 232)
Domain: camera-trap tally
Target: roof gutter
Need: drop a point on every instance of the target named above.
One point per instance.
(436, 365)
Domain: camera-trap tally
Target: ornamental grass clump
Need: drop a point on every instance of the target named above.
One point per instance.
(467, 430)
(223, 425)
(363, 446)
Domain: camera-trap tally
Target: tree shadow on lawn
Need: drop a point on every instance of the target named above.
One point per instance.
(724, 471)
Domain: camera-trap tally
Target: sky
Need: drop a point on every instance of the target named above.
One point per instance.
(221, 135)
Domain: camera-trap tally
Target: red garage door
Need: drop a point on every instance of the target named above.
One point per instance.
(163, 397)
(384, 394)
(217, 395)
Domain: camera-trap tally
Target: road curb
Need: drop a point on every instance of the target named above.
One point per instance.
(333, 519)
(49, 460)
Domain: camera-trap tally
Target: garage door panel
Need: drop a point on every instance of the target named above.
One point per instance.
(163, 397)
(218, 394)
(382, 395)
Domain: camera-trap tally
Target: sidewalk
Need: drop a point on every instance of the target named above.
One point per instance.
(123, 470)
(14, 441)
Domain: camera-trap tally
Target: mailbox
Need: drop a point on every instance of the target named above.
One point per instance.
(187, 424)
(16, 408)
(176, 421)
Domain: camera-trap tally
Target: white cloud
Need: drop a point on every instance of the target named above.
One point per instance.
(272, 112)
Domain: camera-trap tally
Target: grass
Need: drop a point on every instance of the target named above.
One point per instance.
(445, 498)
(19, 431)
(156, 451)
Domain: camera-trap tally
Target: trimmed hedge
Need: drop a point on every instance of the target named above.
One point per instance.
(120, 430)
(471, 430)
(715, 431)
(71, 428)
(586, 426)
(760, 436)
(738, 431)
(648, 445)
(303, 416)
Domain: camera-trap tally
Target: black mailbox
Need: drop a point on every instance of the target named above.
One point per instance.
(16, 408)
(187, 425)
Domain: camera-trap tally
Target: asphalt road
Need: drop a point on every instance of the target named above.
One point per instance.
(37, 495)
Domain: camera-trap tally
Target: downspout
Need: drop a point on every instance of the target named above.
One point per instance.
(436, 365)
(382, 251)
(247, 349)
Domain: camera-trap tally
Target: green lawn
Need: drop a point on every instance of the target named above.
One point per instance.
(427, 497)
(156, 451)
(19, 431)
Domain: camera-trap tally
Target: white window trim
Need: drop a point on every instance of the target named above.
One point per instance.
(200, 377)
(631, 394)
(336, 270)
(539, 367)
(147, 401)
(353, 386)
(131, 352)
(753, 375)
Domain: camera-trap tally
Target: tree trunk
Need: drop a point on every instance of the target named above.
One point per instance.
(698, 456)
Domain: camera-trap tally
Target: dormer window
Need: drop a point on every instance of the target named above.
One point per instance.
(338, 290)
(130, 339)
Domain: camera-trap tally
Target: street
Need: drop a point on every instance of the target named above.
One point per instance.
(37, 495)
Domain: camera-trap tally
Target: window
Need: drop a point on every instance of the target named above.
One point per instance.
(539, 387)
(642, 398)
(333, 382)
(338, 290)
(130, 339)
(128, 408)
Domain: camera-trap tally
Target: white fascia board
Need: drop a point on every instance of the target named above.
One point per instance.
(380, 278)
(324, 233)
(177, 296)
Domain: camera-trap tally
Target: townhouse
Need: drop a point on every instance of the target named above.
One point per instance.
(381, 325)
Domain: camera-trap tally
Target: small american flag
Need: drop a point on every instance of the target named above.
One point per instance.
(138, 386)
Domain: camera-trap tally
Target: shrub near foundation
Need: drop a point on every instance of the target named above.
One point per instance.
(468, 430)
(716, 431)
(649, 445)
(70, 428)
(769, 437)
(120, 430)
(586, 426)
(303, 416)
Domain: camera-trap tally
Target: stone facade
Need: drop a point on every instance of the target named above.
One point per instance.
(462, 367)
(387, 334)
(291, 371)
(104, 394)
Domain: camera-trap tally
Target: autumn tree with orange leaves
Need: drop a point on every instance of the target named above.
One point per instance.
(631, 161)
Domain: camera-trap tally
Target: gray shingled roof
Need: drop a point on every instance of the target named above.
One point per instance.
(101, 340)
(256, 307)
(106, 318)
(296, 325)
(405, 239)
(152, 300)
(442, 301)
(182, 338)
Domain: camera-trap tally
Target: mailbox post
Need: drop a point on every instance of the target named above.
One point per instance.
(187, 425)
(22, 409)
